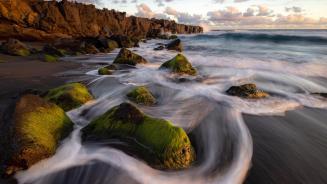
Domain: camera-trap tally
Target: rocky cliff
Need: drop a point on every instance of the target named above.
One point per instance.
(48, 20)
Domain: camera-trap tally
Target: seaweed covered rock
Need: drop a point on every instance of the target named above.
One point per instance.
(141, 95)
(247, 91)
(15, 47)
(180, 65)
(107, 70)
(175, 45)
(126, 56)
(112, 45)
(50, 58)
(38, 126)
(69, 96)
(168, 145)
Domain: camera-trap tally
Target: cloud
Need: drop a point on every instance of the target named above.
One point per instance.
(183, 17)
(294, 9)
(261, 17)
(145, 11)
(235, 1)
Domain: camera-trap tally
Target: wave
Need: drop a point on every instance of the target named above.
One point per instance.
(263, 37)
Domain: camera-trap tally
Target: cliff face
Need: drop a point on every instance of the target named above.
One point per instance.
(49, 20)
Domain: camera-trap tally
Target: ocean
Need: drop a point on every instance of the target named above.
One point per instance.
(279, 139)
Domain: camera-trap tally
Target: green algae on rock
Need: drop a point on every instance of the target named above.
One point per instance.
(247, 91)
(15, 47)
(50, 58)
(169, 144)
(141, 95)
(38, 127)
(107, 70)
(126, 56)
(104, 71)
(180, 65)
(69, 96)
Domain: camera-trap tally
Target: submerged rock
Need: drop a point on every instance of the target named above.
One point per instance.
(161, 47)
(141, 95)
(172, 37)
(38, 126)
(247, 91)
(126, 56)
(159, 138)
(321, 94)
(69, 96)
(15, 47)
(175, 45)
(180, 65)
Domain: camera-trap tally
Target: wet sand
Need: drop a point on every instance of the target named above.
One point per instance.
(289, 149)
(17, 74)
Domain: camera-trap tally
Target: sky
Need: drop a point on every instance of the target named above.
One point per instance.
(228, 14)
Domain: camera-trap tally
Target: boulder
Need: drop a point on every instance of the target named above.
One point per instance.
(104, 71)
(247, 91)
(123, 41)
(321, 94)
(141, 95)
(175, 45)
(50, 58)
(179, 65)
(168, 146)
(90, 49)
(15, 47)
(69, 96)
(173, 37)
(38, 126)
(51, 50)
(126, 56)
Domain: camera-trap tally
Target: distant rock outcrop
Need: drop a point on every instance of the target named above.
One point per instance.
(50, 20)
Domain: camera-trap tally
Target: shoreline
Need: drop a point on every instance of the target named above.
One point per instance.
(18, 74)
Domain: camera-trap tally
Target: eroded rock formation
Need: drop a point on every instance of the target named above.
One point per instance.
(50, 20)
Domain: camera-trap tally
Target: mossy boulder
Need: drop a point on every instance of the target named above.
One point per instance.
(167, 144)
(175, 45)
(107, 70)
(128, 57)
(112, 45)
(38, 127)
(247, 91)
(51, 50)
(69, 96)
(180, 65)
(141, 95)
(50, 58)
(104, 71)
(15, 47)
